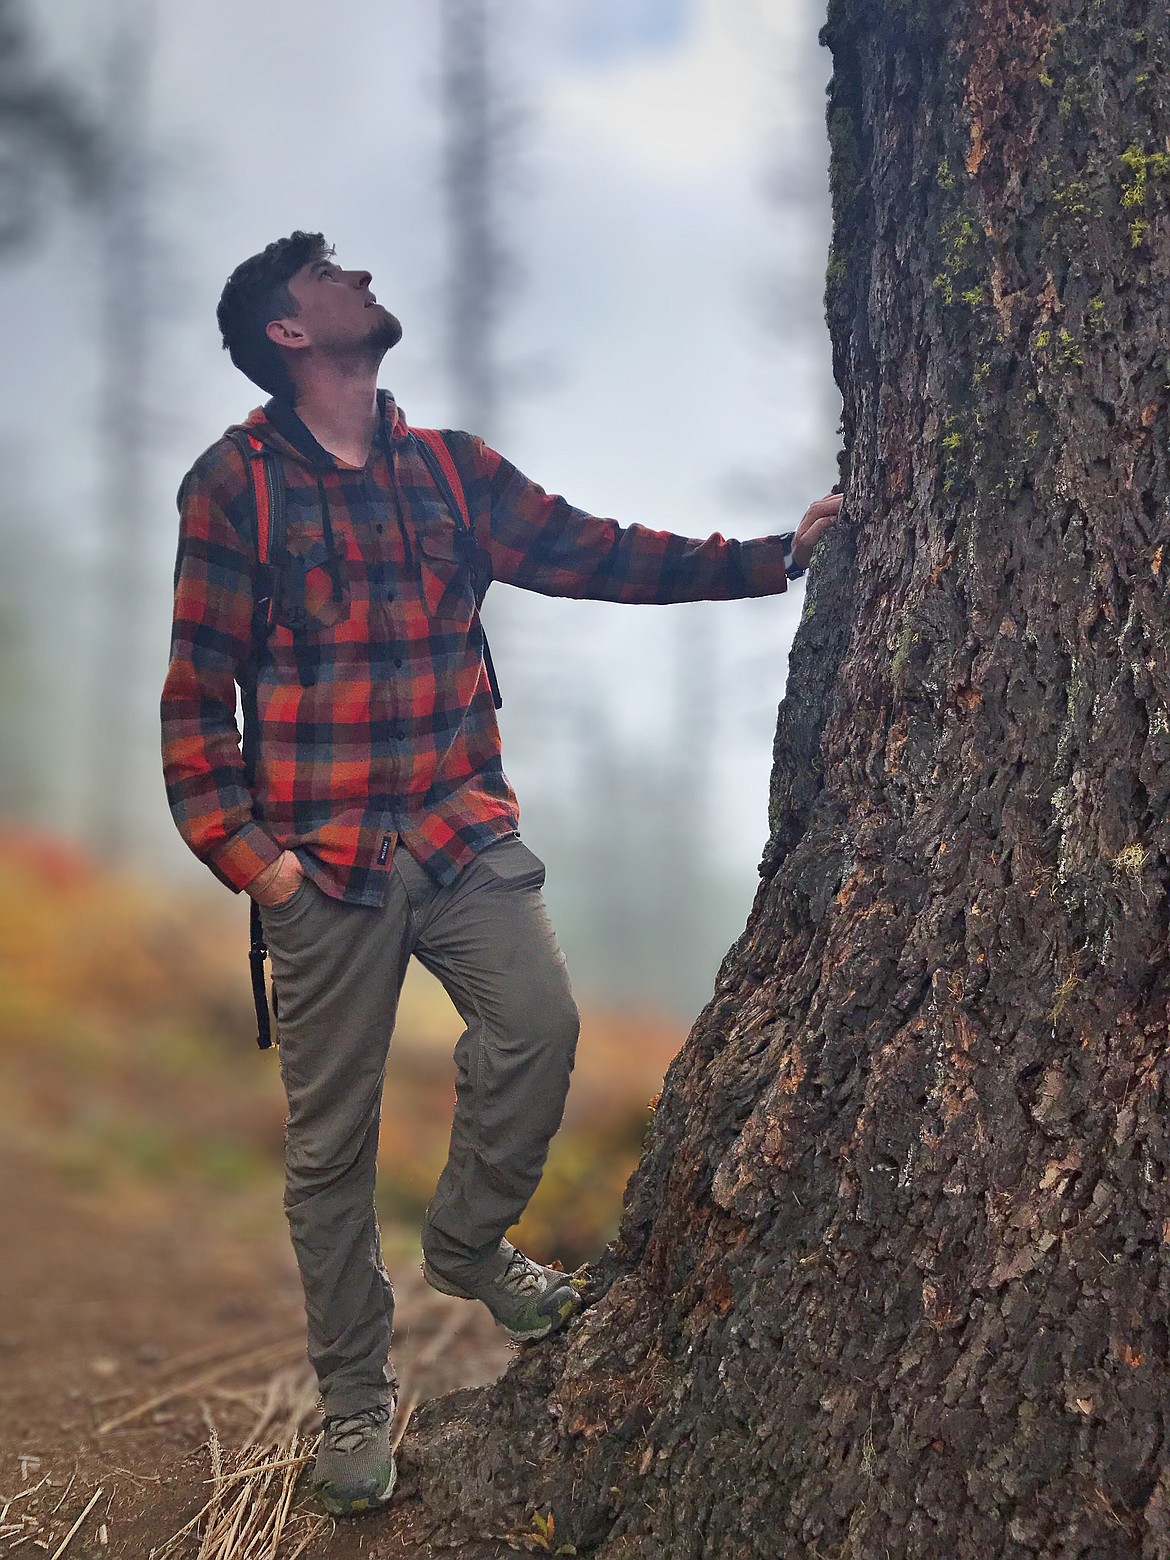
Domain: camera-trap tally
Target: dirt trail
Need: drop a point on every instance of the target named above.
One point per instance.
(103, 1311)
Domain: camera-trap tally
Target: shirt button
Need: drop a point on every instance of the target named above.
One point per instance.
(379, 527)
(389, 595)
(397, 660)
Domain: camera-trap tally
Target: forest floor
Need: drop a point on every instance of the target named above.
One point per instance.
(151, 1325)
(104, 1313)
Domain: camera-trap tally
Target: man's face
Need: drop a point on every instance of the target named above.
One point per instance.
(337, 314)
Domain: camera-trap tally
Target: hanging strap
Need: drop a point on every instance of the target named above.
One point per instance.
(267, 484)
(436, 456)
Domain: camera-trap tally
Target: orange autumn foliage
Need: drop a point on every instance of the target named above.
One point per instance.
(127, 1058)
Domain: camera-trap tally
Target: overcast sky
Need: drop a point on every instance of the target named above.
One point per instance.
(666, 333)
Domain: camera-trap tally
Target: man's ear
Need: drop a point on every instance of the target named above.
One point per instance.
(286, 333)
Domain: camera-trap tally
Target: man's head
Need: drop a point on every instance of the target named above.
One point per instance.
(293, 303)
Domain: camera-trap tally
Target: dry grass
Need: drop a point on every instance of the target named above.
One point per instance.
(76, 1528)
(27, 1528)
(252, 1512)
(1131, 861)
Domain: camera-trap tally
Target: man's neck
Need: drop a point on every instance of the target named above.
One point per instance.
(340, 410)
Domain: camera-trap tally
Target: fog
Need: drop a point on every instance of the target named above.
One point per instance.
(659, 198)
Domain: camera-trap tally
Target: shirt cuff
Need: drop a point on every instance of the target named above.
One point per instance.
(791, 568)
(764, 565)
(237, 860)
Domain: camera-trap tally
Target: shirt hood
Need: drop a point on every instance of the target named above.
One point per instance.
(280, 430)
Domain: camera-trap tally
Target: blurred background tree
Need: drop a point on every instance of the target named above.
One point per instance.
(50, 152)
(46, 135)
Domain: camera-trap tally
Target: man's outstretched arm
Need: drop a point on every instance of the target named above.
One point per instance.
(539, 541)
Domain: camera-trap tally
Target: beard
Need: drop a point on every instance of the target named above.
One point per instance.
(385, 330)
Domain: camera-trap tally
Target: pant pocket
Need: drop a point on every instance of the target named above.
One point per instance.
(286, 907)
(512, 862)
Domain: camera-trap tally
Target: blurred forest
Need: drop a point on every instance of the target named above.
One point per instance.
(124, 1068)
(604, 226)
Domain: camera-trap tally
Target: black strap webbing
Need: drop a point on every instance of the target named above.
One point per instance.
(257, 955)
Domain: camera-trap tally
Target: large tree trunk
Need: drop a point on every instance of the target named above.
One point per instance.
(892, 1279)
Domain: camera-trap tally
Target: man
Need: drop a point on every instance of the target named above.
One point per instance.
(378, 822)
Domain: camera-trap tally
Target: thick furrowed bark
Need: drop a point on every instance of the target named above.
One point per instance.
(892, 1277)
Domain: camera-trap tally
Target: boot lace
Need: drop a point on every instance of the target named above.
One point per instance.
(349, 1432)
(521, 1276)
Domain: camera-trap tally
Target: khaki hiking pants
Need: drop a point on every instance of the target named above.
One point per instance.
(338, 970)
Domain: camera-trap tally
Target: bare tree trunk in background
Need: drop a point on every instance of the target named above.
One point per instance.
(892, 1275)
(44, 127)
(47, 132)
(475, 138)
(124, 248)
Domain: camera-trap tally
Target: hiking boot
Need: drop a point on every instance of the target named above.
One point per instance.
(529, 1301)
(355, 1470)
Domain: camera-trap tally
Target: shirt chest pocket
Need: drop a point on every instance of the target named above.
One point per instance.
(445, 576)
(307, 598)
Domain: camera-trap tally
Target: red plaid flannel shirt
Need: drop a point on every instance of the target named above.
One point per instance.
(393, 736)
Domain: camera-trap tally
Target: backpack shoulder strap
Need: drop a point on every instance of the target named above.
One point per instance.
(435, 451)
(268, 529)
(436, 456)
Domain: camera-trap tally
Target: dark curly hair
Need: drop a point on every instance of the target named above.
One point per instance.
(256, 293)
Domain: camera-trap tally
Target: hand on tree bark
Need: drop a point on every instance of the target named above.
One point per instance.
(817, 520)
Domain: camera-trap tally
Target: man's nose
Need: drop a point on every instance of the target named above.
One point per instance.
(362, 279)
